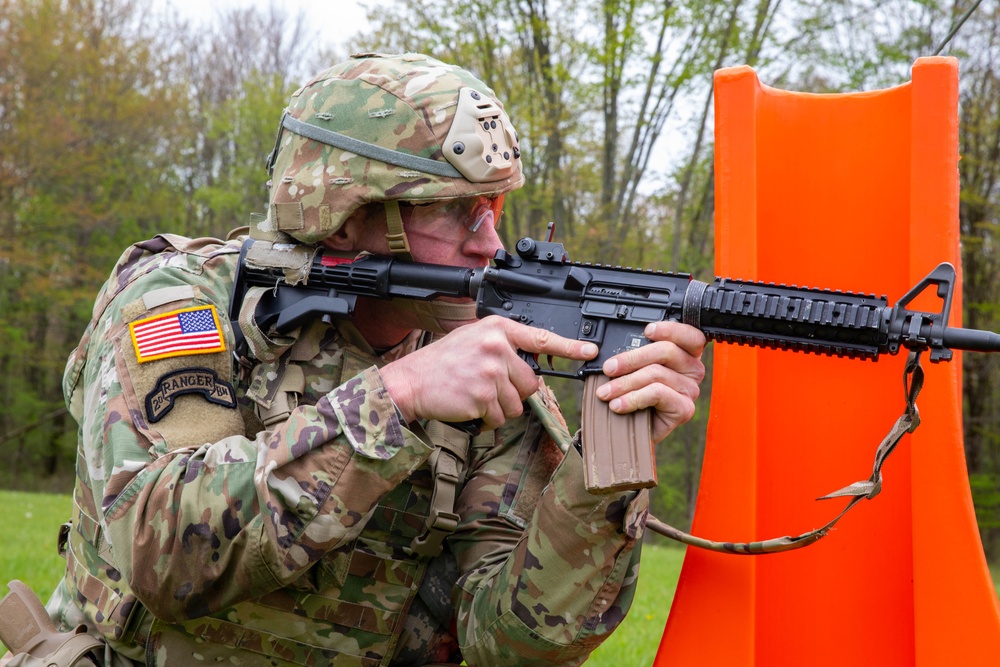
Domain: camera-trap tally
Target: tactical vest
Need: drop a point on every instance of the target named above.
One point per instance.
(348, 609)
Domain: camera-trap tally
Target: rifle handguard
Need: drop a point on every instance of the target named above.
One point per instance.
(617, 449)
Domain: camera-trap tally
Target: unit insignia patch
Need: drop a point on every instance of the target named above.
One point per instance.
(187, 381)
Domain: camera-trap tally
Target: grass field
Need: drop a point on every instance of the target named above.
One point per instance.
(29, 531)
(30, 524)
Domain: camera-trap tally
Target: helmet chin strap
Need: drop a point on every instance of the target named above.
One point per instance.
(395, 235)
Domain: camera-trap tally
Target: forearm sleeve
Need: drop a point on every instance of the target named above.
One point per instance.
(199, 528)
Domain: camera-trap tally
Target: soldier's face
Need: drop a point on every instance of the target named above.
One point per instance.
(460, 232)
(457, 233)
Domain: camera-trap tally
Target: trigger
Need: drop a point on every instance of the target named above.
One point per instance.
(531, 359)
(548, 358)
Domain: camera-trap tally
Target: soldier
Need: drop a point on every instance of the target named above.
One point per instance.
(296, 500)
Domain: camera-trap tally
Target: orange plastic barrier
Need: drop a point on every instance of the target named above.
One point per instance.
(855, 192)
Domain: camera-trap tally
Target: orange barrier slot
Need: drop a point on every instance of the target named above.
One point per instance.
(854, 192)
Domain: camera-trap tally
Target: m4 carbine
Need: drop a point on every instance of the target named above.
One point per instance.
(609, 306)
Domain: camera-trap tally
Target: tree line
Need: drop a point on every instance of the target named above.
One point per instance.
(119, 122)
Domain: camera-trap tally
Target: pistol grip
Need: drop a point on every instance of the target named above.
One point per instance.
(25, 628)
(617, 449)
(24, 624)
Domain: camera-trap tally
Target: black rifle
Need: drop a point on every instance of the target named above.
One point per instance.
(611, 306)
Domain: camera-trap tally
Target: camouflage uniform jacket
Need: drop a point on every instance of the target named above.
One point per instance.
(200, 535)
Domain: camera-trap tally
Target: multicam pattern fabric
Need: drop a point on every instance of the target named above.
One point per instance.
(202, 537)
(404, 103)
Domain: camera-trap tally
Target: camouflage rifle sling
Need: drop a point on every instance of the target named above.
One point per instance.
(913, 382)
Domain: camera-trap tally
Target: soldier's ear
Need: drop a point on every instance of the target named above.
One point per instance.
(364, 230)
(340, 240)
(351, 235)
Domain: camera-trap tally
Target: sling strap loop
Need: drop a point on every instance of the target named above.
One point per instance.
(913, 382)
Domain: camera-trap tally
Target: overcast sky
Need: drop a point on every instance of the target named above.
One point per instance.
(337, 19)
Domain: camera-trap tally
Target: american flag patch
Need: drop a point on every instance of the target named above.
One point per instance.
(177, 333)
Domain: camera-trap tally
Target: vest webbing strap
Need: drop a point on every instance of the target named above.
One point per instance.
(447, 466)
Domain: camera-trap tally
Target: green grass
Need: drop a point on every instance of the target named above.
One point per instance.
(29, 531)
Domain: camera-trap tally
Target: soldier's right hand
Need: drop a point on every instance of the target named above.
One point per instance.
(475, 372)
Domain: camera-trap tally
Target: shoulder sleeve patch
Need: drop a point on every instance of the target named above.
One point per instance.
(177, 333)
(176, 400)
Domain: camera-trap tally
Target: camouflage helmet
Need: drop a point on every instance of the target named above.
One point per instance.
(385, 129)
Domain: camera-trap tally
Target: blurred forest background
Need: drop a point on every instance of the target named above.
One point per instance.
(118, 122)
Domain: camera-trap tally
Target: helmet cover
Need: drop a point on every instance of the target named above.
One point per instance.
(381, 129)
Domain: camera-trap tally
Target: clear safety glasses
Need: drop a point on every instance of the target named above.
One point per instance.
(472, 213)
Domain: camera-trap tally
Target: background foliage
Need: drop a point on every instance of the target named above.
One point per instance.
(117, 122)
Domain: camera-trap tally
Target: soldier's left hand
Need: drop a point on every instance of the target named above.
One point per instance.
(664, 375)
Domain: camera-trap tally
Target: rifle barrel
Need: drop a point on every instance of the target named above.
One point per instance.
(971, 339)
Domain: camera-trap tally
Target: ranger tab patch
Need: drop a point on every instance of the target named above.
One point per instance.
(177, 333)
(202, 381)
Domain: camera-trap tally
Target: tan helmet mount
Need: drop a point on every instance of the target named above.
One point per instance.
(481, 143)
